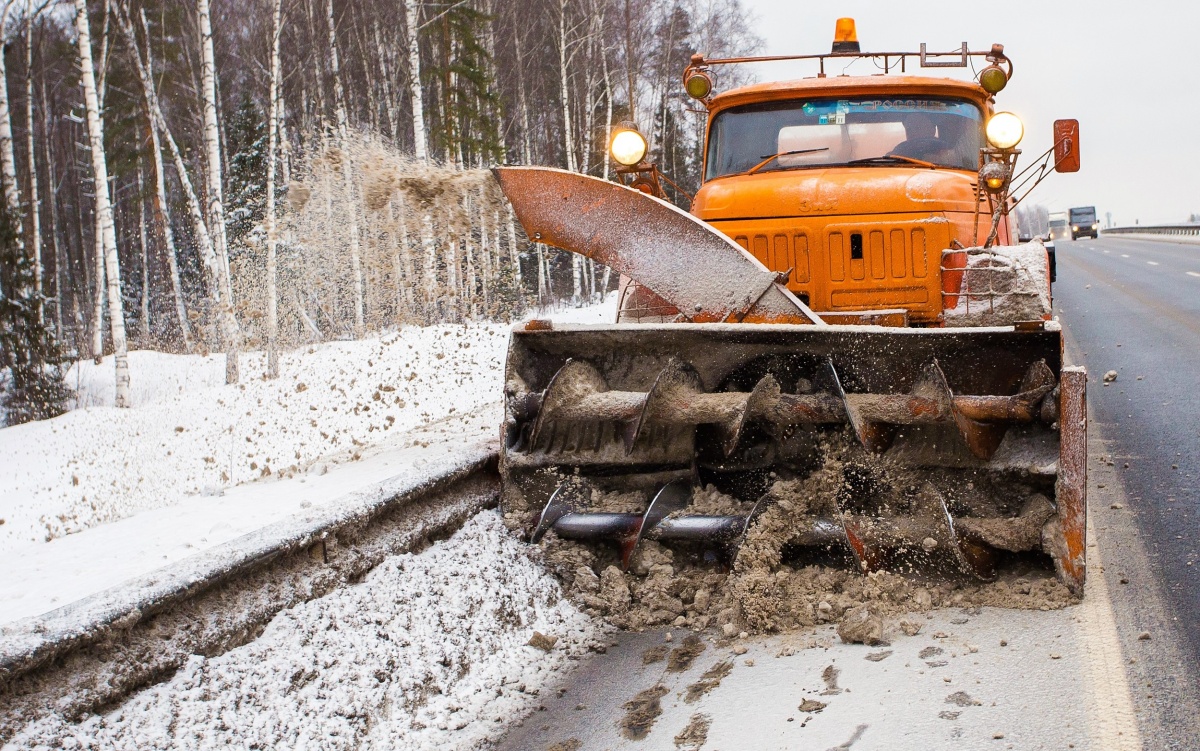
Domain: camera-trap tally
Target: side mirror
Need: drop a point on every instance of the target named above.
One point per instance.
(1066, 145)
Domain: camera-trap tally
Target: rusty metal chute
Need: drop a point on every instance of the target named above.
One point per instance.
(699, 271)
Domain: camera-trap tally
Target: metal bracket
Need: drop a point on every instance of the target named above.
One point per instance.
(960, 63)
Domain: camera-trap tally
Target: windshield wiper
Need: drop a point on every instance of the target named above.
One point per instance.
(891, 158)
(768, 159)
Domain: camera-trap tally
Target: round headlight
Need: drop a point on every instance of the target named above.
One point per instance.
(993, 79)
(628, 147)
(698, 84)
(1005, 130)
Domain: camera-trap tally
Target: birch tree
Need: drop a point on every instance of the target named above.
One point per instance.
(8, 162)
(347, 172)
(272, 229)
(204, 242)
(412, 22)
(112, 266)
(35, 202)
(216, 208)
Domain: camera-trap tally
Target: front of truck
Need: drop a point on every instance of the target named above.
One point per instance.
(854, 184)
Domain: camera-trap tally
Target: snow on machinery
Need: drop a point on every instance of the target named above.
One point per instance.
(847, 263)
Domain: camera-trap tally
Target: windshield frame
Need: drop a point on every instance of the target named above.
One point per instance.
(799, 100)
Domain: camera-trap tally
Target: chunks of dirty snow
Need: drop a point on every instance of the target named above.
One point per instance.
(1110, 376)
(861, 625)
(428, 652)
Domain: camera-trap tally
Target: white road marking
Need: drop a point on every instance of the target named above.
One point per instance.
(1114, 723)
(1192, 273)
(1152, 263)
(1124, 255)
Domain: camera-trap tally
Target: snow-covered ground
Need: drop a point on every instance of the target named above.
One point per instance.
(40, 578)
(428, 652)
(190, 435)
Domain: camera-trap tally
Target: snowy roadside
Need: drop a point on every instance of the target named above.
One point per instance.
(42, 578)
(429, 651)
(189, 435)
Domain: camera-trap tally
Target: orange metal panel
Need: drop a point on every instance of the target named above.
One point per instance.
(899, 254)
(801, 274)
(759, 249)
(818, 249)
(878, 264)
(920, 254)
(781, 256)
(837, 257)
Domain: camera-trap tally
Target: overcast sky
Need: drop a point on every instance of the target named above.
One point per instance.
(1128, 71)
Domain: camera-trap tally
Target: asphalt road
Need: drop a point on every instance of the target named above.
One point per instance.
(1133, 306)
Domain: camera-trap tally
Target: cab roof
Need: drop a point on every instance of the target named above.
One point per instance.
(832, 86)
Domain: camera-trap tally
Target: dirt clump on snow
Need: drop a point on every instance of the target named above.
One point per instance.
(642, 711)
(770, 587)
(710, 680)
(570, 744)
(682, 657)
(695, 734)
(655, 654)
(812, 706)
(861, 625)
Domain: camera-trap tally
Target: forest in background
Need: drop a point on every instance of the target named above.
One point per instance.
(281, 172)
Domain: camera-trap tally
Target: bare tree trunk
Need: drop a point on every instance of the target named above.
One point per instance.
(35, 199)
(272, 228)
(98, 298)
(52, 190)
(216, 201)
(204, 242)
(347, 173)
(103, 207)
(8, 162)
(162, 210)
(412, 14)
(141, 207)
(568, 137)
(430, 253)
(522, 102)
(512, 247)
(389, 99)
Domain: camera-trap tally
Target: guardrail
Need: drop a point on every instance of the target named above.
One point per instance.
(1189, 230)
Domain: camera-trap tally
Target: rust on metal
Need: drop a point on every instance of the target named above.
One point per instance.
(1071, 490)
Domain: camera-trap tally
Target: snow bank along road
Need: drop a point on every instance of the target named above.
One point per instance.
(97, 650)
(134, 540)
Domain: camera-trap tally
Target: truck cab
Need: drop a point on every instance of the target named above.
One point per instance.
(854, 185)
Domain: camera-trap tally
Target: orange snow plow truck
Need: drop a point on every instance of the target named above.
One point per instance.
(844, 293)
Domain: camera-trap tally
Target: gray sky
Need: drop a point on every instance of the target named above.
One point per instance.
(1127, 71)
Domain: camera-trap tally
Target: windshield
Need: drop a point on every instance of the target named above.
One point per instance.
(945, 132)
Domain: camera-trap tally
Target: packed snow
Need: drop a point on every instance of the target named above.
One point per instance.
(189, 435)
(430, 651)
(1002, 285)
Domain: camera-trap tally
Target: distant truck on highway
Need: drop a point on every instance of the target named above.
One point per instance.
(1060, 226)
(1083, 222)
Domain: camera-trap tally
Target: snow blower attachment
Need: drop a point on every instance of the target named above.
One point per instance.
(955, 449)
